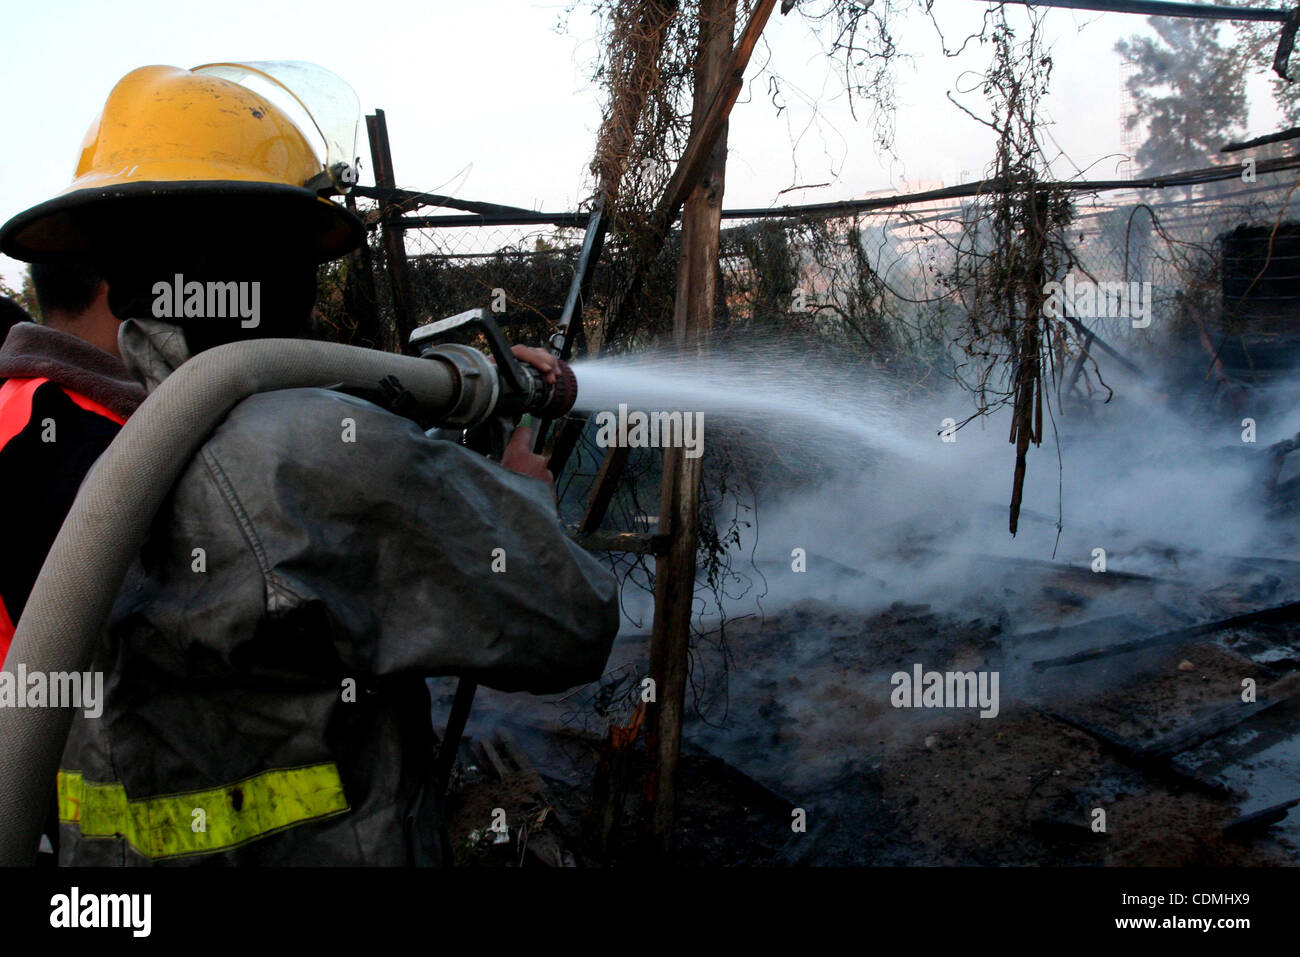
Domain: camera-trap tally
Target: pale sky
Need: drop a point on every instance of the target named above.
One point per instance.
(487, 100)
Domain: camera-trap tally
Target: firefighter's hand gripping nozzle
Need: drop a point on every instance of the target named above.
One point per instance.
(492, 394)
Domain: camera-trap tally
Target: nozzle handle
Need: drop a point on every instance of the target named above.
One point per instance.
(427, 335)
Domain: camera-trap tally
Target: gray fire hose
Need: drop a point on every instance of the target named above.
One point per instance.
(110, 518)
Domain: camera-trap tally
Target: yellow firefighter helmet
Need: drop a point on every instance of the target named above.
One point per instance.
(176, 151)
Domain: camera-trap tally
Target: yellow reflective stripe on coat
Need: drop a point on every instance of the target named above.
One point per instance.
(234, 814)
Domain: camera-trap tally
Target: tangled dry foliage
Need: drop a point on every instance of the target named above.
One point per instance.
(1012, 238)
(1013, 244)
(645, 66)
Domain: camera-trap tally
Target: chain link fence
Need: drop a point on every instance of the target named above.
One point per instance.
(880, 290)
(878, 280)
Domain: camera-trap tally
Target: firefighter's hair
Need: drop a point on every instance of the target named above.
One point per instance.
(68, 287)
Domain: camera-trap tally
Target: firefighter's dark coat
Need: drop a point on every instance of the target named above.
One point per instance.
(265, 660)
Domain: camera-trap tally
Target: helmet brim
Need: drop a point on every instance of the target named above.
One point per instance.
(135, 218)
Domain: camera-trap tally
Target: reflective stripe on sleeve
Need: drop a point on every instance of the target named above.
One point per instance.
(234, 814)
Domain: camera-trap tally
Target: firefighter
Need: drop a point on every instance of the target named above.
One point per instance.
(318, 558)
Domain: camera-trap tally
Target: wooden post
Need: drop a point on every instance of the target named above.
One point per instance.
(361, 299)
(399, 275)
(679, 499)
(1027, 415)
(603, 488)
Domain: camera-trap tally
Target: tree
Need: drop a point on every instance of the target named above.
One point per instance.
(1190, 90)
(26, 297)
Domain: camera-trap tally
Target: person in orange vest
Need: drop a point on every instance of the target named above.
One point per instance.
(65, 394)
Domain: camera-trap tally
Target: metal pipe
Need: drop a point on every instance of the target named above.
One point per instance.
(1160, 8)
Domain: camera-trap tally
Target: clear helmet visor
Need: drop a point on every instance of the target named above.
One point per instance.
(317, 100)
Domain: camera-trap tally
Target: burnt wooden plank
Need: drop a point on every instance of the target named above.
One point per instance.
(1279, 613)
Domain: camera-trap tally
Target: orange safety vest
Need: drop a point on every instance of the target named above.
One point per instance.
(15, 415)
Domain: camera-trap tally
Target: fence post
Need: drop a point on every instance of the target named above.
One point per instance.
(679, 499)
(399, 276)
(361, 299)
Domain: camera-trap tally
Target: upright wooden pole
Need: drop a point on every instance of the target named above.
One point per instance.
(679, 498)
(399, 275)
(1027, 415)
(361, 299)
